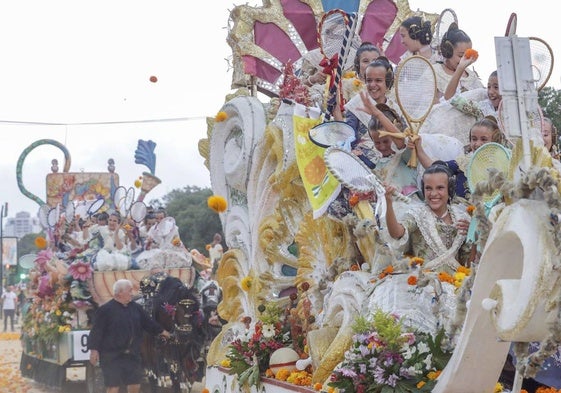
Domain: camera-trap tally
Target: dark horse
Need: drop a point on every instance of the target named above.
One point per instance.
(179, 361)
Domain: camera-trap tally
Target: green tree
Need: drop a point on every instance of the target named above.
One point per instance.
(26, 245)
(197, 223)
(549, 100)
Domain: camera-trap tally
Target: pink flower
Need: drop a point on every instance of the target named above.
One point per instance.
(43, 257)
(80, 270)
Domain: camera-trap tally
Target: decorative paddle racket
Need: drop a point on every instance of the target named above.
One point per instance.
(542, 61)
(356, 176)
(335, 35)
(332, 133)
(511, 25)
(533, 128)
(415, 90)
(446, 18)
(489, 155)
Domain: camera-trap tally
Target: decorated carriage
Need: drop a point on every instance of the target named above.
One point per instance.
(327, 289)
(78, 262)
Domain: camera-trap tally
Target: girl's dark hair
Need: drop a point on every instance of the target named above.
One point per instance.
(383, 61)
(441, 167)
(418, 29)
(364, 47)
(374, 124)
(452, 38)
(491, 123)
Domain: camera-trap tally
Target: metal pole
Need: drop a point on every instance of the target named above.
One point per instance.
(3, 213)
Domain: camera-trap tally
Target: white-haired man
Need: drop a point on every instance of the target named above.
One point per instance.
(116, 337)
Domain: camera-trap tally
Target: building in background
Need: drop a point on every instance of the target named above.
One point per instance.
(21, 225)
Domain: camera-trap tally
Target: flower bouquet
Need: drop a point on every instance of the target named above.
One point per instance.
(249, 354)
(385, 357)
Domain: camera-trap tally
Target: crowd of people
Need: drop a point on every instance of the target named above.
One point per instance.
(110, 241)
(464, 115)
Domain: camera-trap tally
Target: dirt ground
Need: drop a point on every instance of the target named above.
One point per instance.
(11, 380)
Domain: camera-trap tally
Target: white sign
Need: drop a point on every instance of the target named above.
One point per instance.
(80, 349)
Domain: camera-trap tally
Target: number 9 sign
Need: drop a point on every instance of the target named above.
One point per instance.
(80, 349)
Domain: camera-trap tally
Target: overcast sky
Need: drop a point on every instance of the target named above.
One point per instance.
(73, 61)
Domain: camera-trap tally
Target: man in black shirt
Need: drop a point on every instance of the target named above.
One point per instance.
(116, 337)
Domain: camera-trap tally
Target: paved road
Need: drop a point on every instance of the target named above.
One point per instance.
(11, 380)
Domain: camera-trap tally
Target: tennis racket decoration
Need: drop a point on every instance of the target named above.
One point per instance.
(487, 156)
(69, 212)
(415, 90)
(348, 169)
(511, 25)
(335, 36)
(542, 61)
(534, 115)
(333, 133)
(446, 18)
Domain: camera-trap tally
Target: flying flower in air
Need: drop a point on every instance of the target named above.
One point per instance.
(221, 116)
(217, 203)
(40, 242)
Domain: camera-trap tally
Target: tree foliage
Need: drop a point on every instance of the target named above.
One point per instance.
(26, 245)
(549, 100)
(197, 223)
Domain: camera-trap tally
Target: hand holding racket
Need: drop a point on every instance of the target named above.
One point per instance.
(415, 89)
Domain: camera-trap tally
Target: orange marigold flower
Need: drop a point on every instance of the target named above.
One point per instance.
(433, 375)
(317, 386)
(353, 200)
(138, 183)
(355, 267)
(282, 374)
(470, 209)
(471, 53)
(217, 203)
(463, 269)
(221, 116)
(176, 241)
(389, 269)
(445, 277)
(421, 384)
(412, 280)
(207, 247)
(205, 390)
(269, 373)
(40, 242)
(416, 261)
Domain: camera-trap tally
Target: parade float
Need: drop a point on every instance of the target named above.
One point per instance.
(309, 305)
(67, 280)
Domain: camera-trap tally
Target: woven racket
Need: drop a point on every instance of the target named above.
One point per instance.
(332, 133)
(446, 18)
(542, 61)
(511, 25)
(415, 90)
(489, 155)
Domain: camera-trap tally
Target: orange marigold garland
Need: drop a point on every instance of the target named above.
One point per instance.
(412, 280)
(217, 203)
